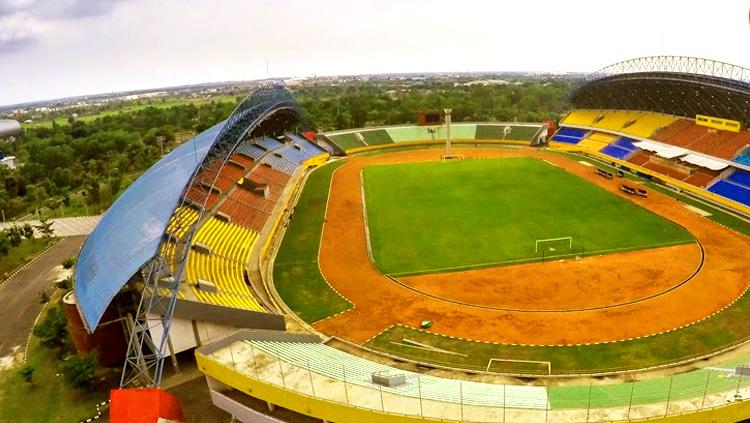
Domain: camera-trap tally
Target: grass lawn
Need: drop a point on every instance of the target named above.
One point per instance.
(683, 386)
(49, 399)
(718, 215)
(296, 273)
(17, 256)
(428, 217)
(712, 334)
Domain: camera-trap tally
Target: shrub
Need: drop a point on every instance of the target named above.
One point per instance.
(28, 231)
(79, 370)
(65, 283)
(53, 329)
(69, 262)
(4, 243)
(27, 373)
(15, 233)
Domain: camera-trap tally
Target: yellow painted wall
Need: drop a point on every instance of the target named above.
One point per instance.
(679, 184)
(730, 413)
(674, 182)
(338, 412)
(295, 401)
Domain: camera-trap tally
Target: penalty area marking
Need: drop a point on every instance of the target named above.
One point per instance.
(697, 210)
(405, 342)
(547, 364)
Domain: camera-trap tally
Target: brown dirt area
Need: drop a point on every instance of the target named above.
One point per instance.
(601, 281)
(380, 302)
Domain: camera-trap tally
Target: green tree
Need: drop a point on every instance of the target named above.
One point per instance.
(45, 228)
(93, 191)
(79, 371)
(4, 243)
(69, 262)
(28, 231)
(27, 373)
(65, 283)
(15, 234)
(53, 329)
(4, 198)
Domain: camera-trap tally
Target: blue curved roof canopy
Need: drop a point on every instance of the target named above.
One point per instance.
(129, 235)
(130, 232)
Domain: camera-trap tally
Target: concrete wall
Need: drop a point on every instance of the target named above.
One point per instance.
(192, 310)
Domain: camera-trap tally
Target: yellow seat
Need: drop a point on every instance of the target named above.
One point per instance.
(630, 122)
(230, 246)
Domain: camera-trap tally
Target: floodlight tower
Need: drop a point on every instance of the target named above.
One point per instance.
(448, 149)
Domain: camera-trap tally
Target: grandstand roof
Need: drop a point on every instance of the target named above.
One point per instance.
(683, 86)
(129, 234)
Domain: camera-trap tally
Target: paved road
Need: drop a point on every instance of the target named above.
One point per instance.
(66, 226)
(19, 296)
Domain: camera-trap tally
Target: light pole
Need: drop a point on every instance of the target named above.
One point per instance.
(160, 139)
(448, 149)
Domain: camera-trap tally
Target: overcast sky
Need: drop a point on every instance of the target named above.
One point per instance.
(58, 48)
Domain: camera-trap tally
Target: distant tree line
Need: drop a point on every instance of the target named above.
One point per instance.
(358, 105)
(101, 157)
(98, 158)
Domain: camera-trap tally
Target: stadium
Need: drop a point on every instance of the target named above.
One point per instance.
(592, 270)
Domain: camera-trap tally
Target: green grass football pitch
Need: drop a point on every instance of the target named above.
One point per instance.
(440, 216)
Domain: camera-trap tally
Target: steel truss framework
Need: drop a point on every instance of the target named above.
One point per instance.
(267, 111)
(675, 64)
(683, 86)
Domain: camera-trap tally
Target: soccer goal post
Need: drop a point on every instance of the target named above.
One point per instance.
(556, 240)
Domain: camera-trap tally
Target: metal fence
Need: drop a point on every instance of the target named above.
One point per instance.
(461, 401)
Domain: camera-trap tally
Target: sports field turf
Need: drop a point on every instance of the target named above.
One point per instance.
(296, 274)
(439, 216)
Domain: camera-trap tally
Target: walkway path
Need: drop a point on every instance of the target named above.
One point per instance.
(20, 295)
(66, 226)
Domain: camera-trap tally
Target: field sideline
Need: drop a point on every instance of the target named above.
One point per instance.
(381, 303)
(295, 272)
(435, 216)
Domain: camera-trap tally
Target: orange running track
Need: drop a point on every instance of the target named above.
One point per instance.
(379, 302)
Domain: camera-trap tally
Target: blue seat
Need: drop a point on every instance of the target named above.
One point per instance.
(251, 150)
(308, 147)
(269, 143)
(743, 158)
(616, 152)
(740, 177)
(572, 132)
(625, 143)
(732, 191)
(569, 135)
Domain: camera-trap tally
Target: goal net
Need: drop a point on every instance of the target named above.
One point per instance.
(552, 246)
